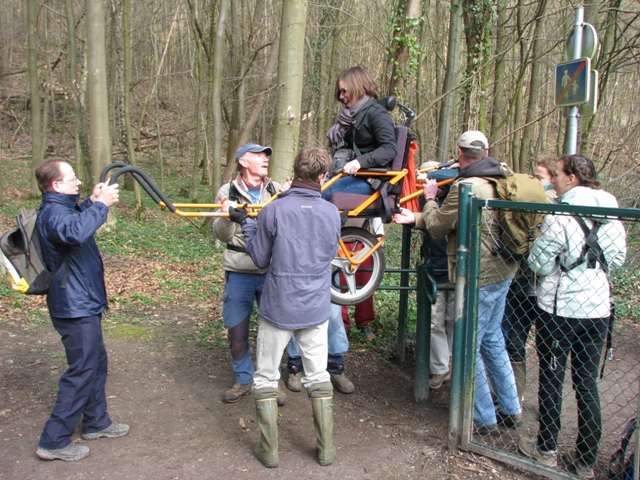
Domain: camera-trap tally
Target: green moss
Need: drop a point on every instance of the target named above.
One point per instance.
(133, 332)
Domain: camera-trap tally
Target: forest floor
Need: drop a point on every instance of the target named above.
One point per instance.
(168, 386)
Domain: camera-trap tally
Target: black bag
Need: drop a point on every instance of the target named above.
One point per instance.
(22, 257)
(621, 468)
(341, 157)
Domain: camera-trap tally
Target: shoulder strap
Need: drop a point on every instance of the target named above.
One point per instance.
(234, 195)
(591, 251)
(354, 147)
(65, 274)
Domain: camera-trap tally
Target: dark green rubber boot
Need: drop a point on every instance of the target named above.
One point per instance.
(322, 403)
(266, 450)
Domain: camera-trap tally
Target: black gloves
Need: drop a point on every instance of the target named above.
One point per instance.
(237, 215)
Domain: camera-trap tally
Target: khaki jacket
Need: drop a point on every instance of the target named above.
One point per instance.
(231, 233)
(444, 221)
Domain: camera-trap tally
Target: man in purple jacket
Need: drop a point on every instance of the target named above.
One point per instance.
(296, 236)
(76, 299)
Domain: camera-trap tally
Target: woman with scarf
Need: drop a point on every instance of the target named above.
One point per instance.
(363, 126)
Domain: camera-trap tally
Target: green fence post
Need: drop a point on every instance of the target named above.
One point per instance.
(425, 296)
(404, 293)
(455, 410)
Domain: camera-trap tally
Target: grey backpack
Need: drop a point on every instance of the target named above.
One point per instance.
(22, 257)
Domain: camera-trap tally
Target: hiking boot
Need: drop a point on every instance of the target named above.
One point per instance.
(236, 392)
(342, 383)
(368, 334)
(486, 430)
(69, 453)
(282, 397)
(581, 470)
(294, 381)
(114, 430)
(437, 379)
(509, 421)
(529, 447)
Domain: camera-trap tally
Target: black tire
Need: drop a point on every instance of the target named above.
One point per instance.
(362, 242)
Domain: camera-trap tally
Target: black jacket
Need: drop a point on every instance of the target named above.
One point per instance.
(65, 225)
(374, 136)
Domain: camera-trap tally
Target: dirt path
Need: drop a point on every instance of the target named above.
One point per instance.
(168, 388)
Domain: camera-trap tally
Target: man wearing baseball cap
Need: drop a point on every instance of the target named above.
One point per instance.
(495, 277)
(244, 280)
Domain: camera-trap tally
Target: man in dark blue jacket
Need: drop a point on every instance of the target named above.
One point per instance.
(296, 236)
(76, 300)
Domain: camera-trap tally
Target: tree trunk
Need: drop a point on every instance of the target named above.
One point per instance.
(126, 98)
(215, 98)
(100, 141)
(37, 150)
(528, 143)
(238, 94)
(499, 107)
(257, 109)
(450, 81)
(290, 76)
(82, 163)
(405, 48)
(609, 56)
(477, 19)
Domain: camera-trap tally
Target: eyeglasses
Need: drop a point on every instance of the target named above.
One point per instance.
(342, 91)
(72, 180)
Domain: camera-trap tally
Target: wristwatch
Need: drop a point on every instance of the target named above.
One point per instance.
(430, 199)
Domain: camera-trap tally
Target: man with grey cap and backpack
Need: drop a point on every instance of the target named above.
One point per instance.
(244, 281)
(495, 277)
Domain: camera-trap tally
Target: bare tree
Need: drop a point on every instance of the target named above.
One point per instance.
(37, 150)
(450, 80)
(83, 162)
(527, 145)
(405, 48)
(215, 98)
(100, 140)
(290, 73)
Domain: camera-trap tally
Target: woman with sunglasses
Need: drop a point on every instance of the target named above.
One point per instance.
(364, 126)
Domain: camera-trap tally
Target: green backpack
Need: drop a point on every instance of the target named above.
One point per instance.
(518, 228)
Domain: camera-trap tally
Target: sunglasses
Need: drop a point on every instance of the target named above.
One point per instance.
(342, 91)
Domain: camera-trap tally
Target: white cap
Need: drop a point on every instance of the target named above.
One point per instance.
(467, 138)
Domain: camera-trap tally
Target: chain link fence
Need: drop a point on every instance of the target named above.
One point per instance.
(549, 370)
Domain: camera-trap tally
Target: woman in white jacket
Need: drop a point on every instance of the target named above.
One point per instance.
(574, 295)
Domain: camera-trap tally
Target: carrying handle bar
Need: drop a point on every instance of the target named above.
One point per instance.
(142, 178)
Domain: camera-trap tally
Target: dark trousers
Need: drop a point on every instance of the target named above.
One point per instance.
(583, 339)
(81, 390)
(520, 313)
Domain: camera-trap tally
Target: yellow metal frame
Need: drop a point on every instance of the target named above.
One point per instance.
(343, 251)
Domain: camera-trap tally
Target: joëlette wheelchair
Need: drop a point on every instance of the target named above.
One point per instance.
(357, 244)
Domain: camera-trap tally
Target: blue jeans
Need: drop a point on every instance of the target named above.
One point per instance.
(81, 390)
(240, 291)
(492, 353)
(349, 184)
(338, 344)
